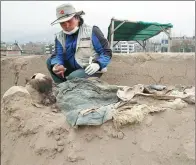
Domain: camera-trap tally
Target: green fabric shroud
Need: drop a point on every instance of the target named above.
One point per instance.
(78, 95)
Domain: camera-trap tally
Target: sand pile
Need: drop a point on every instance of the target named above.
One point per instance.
(152, 68)
(32, 133)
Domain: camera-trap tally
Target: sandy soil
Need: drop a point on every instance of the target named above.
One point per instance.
(168, 69)
(31, 135)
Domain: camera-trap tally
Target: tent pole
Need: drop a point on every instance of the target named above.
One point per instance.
(139, 43)
(118, 26)
(169, 40)
(144, 46)
(167, 33)
(112, 35)
(164, 30)
(116, 43)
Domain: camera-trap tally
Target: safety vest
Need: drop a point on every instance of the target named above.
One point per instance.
(85, 52)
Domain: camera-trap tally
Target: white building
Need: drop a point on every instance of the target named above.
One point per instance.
(53, 48)
(124, 47)
(49, 48)
(11, 49)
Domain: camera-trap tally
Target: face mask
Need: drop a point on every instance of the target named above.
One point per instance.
(71, 32)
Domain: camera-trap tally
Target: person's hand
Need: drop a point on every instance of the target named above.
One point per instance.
(59, 70)
(92, 68)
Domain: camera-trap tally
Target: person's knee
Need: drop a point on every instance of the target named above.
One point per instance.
(80, 73)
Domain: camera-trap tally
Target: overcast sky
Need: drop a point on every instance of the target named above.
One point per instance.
(30, 20)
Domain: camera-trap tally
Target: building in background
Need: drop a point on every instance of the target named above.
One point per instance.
(31, 48)
(49, 49)
(164, 45)
(11, 49)
(132, 47)
(183, 44)
(124, 47)
(179, 44)
(153, 46)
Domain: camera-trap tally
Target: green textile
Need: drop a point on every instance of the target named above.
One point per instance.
(137, 31)
(79, 94)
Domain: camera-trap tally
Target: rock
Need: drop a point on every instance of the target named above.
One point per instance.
(37, 105)
(120, 135)
(14, 98)
(57, 137)
(46, 102)
(60, 143)
(114, 134)
(55, 110)
(60, 149)
(72, 157)
(16, 90)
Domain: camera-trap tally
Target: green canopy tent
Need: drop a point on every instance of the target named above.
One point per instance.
(125, 30)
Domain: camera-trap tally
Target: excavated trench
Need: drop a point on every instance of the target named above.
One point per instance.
(37, 135)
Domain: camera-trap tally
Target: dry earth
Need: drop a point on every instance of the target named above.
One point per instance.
(38, 136)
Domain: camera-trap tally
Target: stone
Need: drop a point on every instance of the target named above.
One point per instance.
(60, 143)
(120, 135)
(57, 137)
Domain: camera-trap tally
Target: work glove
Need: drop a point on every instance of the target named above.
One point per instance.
(59, 70)
(92, 68)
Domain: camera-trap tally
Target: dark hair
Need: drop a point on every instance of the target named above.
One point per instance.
(81, 20)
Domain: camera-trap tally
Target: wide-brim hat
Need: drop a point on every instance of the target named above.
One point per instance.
(65, 12)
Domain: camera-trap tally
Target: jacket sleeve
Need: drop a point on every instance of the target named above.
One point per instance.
(58, 58)
(101, 46)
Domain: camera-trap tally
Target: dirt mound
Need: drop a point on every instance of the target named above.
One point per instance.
(163, 68)
(33, 134)
(14, 70)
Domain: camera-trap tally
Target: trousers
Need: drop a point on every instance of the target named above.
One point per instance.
(69, 73)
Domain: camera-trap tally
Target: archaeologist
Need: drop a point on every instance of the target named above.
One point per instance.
(80, 50)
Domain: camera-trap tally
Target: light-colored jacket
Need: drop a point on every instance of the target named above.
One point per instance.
(85, 52)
